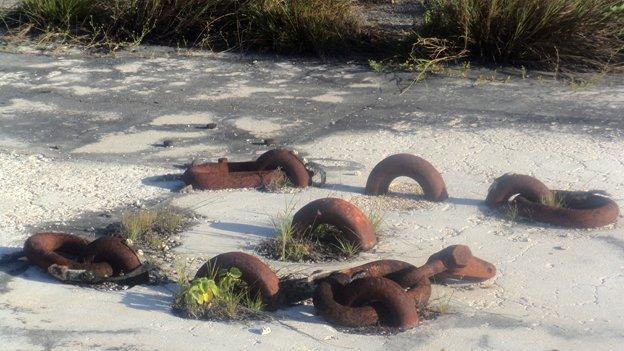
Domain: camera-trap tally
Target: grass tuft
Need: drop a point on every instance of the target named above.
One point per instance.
(545, 32)
(151, 227)
(323, 243)
(554, 200)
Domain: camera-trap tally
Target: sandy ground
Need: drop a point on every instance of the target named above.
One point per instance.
(555, 289)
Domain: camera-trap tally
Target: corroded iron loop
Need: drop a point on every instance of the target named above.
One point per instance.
(46, 249)
(353, 224)
(398, 308)
(288, 162)
(510, 184)
(104, 257)
(407, 165)
(579, 209)
(115, 252)
(327, 303)
(262, 281)
(417, 285)
(364, 302)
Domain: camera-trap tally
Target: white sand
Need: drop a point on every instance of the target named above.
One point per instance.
(555, 289)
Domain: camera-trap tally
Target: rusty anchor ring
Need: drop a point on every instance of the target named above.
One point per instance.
(262, 281)
(581, 209)
(47, 249)
(104, 258)
(115, 252)
(507, 185)
(345, 216)
(406, 165)
(401, 310)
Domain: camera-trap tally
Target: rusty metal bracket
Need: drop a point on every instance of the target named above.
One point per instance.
(269, 168)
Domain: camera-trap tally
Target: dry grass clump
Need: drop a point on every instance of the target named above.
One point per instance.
(553, 33)
(151, 227)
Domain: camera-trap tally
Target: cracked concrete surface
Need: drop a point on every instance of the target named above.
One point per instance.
(69, 123)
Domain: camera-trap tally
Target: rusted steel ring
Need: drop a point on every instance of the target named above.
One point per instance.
(288, 162)
(419, 288)
(326, 302)
(353, 224)
(510, 184)
(407, 165)
(582, 210)
(262, 281)
(398, 309)
(115, 252)
(46, 249)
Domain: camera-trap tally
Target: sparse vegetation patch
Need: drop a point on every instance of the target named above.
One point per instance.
(222, 295)
(324, 243)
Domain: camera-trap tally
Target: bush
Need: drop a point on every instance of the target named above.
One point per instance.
(552, 32)
(293, 26)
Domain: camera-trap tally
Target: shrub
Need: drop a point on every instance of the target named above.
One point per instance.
(551, 32)
(293, 26)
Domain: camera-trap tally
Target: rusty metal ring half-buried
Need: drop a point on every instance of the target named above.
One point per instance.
(343, 215)
(115, 252)
(288, 162)
(46, 249)
(51, 250)
(398, 309)
(407, 165)
(510, 184)
(579, 210)
(262, 281)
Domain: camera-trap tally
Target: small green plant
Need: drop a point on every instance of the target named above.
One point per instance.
(346, 247)
(377, 219)
(443, 304)
(220, 295)
(376, 65)
(511, 212)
